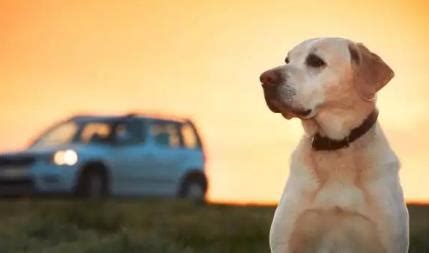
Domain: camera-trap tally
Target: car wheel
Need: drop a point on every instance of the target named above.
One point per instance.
(193, 190)
(92, 185)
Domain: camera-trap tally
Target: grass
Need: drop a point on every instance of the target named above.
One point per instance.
(149, 226)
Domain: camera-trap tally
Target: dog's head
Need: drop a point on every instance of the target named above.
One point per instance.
(324, 74)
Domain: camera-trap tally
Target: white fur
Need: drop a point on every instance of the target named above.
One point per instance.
(347, 200)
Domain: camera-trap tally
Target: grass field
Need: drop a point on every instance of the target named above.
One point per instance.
(149, 226)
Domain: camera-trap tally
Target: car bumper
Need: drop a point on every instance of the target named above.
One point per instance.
(39, 178)
(24, 186)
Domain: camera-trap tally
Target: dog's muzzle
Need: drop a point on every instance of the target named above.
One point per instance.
(272, 83)
(271, 80)
(271, 98)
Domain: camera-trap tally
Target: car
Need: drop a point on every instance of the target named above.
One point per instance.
(95, 156)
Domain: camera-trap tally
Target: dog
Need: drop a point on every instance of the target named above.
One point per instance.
(343, 193)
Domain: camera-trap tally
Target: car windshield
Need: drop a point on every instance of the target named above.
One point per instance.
(75, 131)
(58, 135)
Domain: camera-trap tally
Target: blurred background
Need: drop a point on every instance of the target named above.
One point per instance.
(202, 60)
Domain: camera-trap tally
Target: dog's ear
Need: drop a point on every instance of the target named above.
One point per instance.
(371, 72)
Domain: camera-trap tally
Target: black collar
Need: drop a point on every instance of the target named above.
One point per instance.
(325, 143)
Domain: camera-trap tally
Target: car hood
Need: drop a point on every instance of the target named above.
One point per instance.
(36, 151)
(29, 153)
(46, 152)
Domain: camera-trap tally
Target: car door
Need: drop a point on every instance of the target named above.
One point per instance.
(165, 158)
(129, 157)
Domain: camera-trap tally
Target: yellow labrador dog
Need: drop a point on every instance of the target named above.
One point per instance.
(343, 193)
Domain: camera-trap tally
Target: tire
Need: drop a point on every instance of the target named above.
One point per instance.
(193, 190)
(92, 184)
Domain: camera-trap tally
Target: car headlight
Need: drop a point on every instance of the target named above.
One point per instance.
(65, 157)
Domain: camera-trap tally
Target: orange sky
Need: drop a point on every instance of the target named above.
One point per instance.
(202, 59)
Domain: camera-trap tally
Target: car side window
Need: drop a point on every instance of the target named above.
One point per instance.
(95, 132)
(189, 136)
(166, 134)
(129, 132)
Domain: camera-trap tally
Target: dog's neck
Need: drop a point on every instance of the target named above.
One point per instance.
(337, 129)
(325, 143)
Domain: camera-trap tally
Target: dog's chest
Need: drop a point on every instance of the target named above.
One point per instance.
(334, 210)
(340, 180)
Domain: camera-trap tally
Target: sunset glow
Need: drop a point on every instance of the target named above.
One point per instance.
(202, 59)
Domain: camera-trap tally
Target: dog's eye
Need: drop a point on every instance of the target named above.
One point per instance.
(287, 60)
(314, 61)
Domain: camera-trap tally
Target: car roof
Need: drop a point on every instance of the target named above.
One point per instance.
(108, 118)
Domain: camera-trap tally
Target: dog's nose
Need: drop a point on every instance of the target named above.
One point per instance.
(271, 77)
